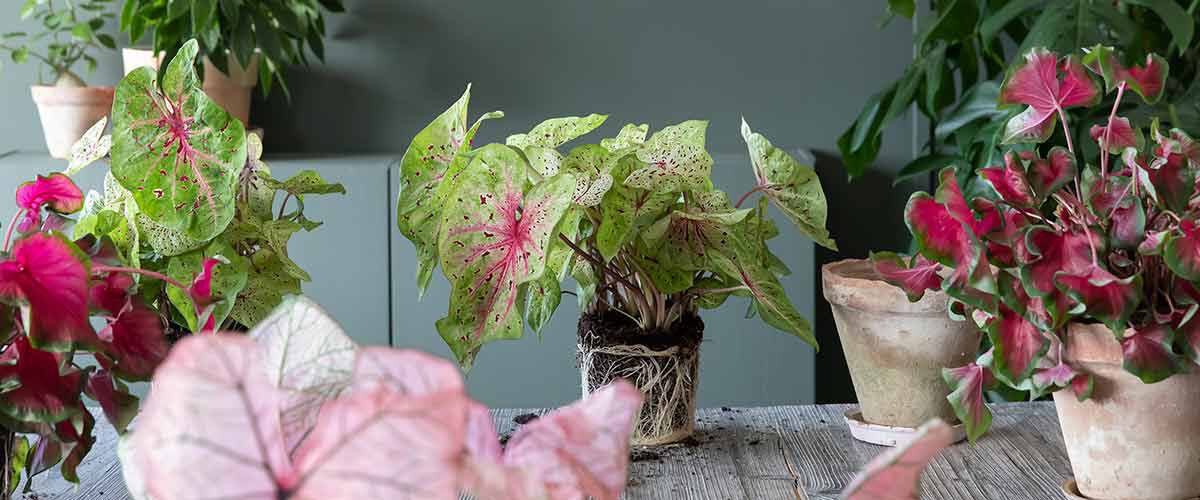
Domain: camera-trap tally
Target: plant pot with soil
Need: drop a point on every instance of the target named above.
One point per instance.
(635, 220)
(895, 348)
(70, 34)
(243, 46)
(1082, 265)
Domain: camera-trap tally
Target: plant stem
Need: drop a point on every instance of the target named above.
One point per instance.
(1108, 133)
(143, 272)
(633, 289)
(11, 224)
(711, 291)
(741, 200)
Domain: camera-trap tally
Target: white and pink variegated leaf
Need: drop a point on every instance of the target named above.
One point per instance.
(89, 148)
(896, 473)
(308, 358)
(178, 152)
(383, 444)
(494, 238)
(210, 428)
(405, 371)
(674, 159)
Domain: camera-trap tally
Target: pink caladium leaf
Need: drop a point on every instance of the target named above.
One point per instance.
(947, 232)
(42, 388)
(1046, 252)
(176, 151)
(1105, 297)
(581, 450)
(1153, 243)
(1171, 180)
(51, 276)
(914, 279)
(133, 342)
(494, 238)
(1017, 345)
(201, 293)
(896, 473)
(968, 383)
(1148, 353)
(1181, 250)
(1048, 175)
(1177, 142)
(1147, 79)
(1009, 181)
(418, 440)
(409, 372)
(1188, 337)
(56, 192)
(1120, 135)
(118, 404)
(231, 445)
(1036, 83)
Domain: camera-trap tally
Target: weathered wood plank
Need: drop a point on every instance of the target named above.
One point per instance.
(782, 452)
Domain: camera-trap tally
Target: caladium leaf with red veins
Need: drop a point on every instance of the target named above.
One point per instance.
(581, 450)
(118, 404)
(914, 279)
(1152, 245)
(215, 275)
(627, 211)
(947, 232)
(1172, 182)
(1181, 250)
(555, 132)
(425, 175)
(407, 372)
(46, 390)
(231, 446)
(896, 473)
(1009, 181)
(175, 150)
(968, 383)
(1176, 143)
(591, 167)
(1121, 135)
(1148, 79)
(1127, 223)
(1188, 336)
(56, 192)
(1148, 354)
(89, 148)
(1017, 345)
(685, 239)
(630, 136)
(1047, 252)
(1083, 385)
(51, 276)
(1048, 175)
(1105, 297)
(745, 267)
(308, 359)
(134, 343)
(793, 188)
(1036, 83)
(493, 238)
(674, 159)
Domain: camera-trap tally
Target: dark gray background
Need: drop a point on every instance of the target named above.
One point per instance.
(799, 71)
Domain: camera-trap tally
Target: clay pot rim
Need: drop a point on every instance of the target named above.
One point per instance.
(840, 278)
(50, 94)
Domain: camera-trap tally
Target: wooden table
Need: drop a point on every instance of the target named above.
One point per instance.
(782, 452)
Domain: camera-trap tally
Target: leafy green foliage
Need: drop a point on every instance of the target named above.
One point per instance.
(963, 49)
(68, 33)
(283, 32)
(635, 220)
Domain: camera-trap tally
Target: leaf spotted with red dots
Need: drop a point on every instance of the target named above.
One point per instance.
(175, 150)
(494, 238)
(674, 160)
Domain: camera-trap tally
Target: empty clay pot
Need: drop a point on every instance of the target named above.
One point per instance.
(1131, 440)
(896, 349)
(68, 112)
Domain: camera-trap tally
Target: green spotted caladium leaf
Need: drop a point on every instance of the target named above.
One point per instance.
(791, 187)
(591, 167)
(260, 196)
(228, 280)
(176, 151)
(305, 182)
(494, 237)
(90, 148)
(542, 296)
(626, 211)
(426, 177)
(685, 239)
(770, 299)
(555, 132)
(267, 283)
(629, 136)
(674, 159)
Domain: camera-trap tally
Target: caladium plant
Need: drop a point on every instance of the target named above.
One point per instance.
(1066, 237)
(298, 411)
(896, 473)
(634, 219)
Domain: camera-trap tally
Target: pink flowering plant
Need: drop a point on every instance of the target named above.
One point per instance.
(635, 220)
(1106, 232)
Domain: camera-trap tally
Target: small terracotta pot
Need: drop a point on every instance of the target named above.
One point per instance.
(68, 112)
(231, 92)
(895, 349)
(1131, 440)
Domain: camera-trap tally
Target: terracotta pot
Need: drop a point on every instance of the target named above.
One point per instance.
(665, 366)
(68, 112)
(895, 349)
(1130, 440)
(231, 92)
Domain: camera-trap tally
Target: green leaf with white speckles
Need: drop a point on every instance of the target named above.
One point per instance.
(626, 211)
(228, 280)
(629, 136)
(267, 283)
(555, 132)
(792, 187)
(674, 159)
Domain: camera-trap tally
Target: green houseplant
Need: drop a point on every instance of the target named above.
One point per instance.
(244, 42)
(635, 220)
(1081, 269)
(963, 49)
(67, 35)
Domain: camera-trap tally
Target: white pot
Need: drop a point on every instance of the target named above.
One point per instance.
(231, 92)
(68, 112)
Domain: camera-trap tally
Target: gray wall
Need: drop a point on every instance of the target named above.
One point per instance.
(797, 70)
